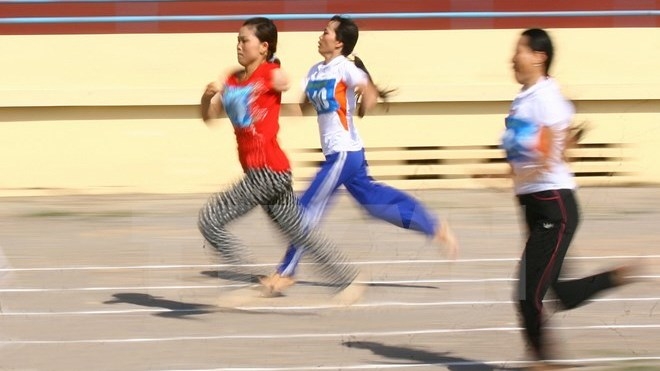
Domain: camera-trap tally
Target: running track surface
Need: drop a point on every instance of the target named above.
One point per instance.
(122, 283)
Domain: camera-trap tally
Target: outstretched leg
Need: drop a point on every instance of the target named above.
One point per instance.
(575, 293)
(288, 215)
(390, 204)
(401, 209)
(336, 169)
(255, 188)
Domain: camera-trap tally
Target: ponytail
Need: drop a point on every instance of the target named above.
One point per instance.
(383, 94)
(347, 32)
(274, 59)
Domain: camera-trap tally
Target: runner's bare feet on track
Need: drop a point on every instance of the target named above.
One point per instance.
(275, 284)
(352, 293)
(446, 237)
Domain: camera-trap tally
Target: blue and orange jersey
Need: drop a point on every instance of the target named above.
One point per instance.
(331, 90)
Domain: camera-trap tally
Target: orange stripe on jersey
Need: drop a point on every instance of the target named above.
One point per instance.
(340, 96)
(545, 141)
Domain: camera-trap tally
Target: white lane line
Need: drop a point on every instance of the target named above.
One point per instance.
(130, 267)
(338, 335)
(296, 308)
(186, 287)
(502, 364)
(368, 262)
(120, 288)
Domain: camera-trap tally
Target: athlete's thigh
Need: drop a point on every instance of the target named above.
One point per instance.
(336, 170)
(286, 212)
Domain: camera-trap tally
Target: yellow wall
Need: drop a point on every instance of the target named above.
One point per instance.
(117, 113)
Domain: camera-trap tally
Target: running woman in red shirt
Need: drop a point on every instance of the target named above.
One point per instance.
(251, 98)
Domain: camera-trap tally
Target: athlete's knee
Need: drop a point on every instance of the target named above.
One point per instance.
(208, 220)
(204, 214)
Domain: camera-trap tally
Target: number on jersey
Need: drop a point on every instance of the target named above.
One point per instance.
(321, 93)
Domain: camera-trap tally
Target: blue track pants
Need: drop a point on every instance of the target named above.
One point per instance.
(381, 201)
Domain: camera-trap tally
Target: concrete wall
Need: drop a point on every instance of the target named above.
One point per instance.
(118, 113)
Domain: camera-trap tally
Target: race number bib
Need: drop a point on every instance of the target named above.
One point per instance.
(321, 93)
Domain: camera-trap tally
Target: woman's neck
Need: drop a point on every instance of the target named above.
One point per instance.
(533, 81)
(329, 57)
(250, 68)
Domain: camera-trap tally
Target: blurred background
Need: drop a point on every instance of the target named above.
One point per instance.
(102, 96)
(105, 162)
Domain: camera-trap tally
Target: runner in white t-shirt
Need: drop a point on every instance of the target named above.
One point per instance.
(333, 87)
(535, 139)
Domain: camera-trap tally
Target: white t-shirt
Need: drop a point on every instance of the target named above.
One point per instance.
(331, 90)
(540, 105)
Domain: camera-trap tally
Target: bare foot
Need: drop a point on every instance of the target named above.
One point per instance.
(626, 274)
(275, 284)
(352, 293)
(446, 237)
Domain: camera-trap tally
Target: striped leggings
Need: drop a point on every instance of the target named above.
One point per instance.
(272, 191)
(552, 217)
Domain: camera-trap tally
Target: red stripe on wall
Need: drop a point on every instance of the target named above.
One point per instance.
(317, 25)
(253, 7)
(183, 7)
(220, 7)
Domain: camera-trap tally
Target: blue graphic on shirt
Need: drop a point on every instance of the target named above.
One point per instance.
(237, 101)
(321, 93)
(519, 140)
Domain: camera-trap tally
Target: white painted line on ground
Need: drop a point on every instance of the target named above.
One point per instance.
(130, 267)
(120, 288)
(369, 262)
(186, 287)
(501, 364)
(295, 308)
(181, 287)
(96, 312)
(349, 335)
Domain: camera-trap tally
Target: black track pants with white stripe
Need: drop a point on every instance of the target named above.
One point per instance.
(552, 218)
(272, 191)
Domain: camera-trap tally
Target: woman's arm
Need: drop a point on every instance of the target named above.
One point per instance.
(369, 97)
(545, 145)
(280, 80)
(211, 102)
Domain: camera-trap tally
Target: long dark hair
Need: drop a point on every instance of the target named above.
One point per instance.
(347, 32)
(266, 31)
(539, 41)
